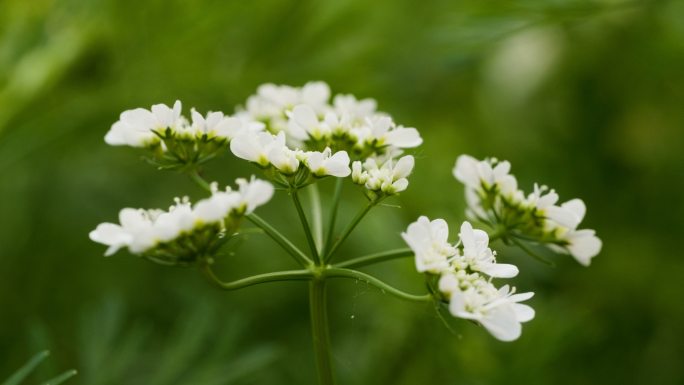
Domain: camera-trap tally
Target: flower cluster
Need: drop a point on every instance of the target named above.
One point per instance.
(175, 141)
(386, 178)
(308, 137)
(463, 273)
(185, 232)
(286, 166)
(311, 121)
(494, 198)
(295, 135)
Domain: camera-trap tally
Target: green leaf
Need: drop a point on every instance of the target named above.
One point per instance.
(21, 374)
(61, 378)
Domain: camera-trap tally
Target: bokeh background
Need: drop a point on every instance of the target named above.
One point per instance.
(586, 96)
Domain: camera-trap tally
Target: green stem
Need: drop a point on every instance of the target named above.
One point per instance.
(305, 225)
(319, 331)
(197, 178)
(280, 239)
(335, 272)
(333, 215)
(352, 225)
(278, 276)
(376, 258)
(531, 252)
(317, 220)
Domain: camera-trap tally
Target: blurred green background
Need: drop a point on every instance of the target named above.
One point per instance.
(585, 96)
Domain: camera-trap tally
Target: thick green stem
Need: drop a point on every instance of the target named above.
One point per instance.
(197, 178)
(280, 239)
(335, 272)
(376, 258)
(319, 331)
(333, 216)
(289, 275)
(352, 225)
(305, 225)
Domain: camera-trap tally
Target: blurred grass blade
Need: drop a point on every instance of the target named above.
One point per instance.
(61, 378)
(21, 374)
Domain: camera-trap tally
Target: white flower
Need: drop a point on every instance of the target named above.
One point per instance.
(583, 245)
(542, 198)
(357, 109)
(304, 123)
(136, 231)
(142, 230)
(390, 178)
(429, 242)
(359, 176)
(479, 256)
(284, 159)
(112, 235)
(136, 127)
(216, 124)
(474, 174)
(569, 214)
(272, 102)
(254, 193)
(257, 147)
(326, 163)
(217, 207)
(383, 130)
(497, 310)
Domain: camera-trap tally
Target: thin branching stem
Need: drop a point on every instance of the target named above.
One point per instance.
(372, 259)
(531, 252)
(277, 276)
(281, 240)
(336, 272)
(305, 226)
(350, 227)
(333, 216)
(201, 182)
(317, 214)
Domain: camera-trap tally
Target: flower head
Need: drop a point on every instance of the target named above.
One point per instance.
(184, 233)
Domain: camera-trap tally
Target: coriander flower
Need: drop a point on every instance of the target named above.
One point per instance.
(493, 197)
(325, 163)
(498, 311)
(470, 294)
(257, 147)
(136, 128)
(479, 256)
(184, 233)
(388, 178)
(429, 241)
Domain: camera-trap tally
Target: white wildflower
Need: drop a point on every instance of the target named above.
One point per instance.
(429, 241)
(325, 163)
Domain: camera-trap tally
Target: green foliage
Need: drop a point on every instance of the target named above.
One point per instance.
(20, 375)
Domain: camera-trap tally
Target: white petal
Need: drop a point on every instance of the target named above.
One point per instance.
(577, 206)
(403, 167)
(584, 245)
(500, 270)
(467, 235)
(502, 323)
(404, 137)
(563, 216)
(465, 171)
(523, 313)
